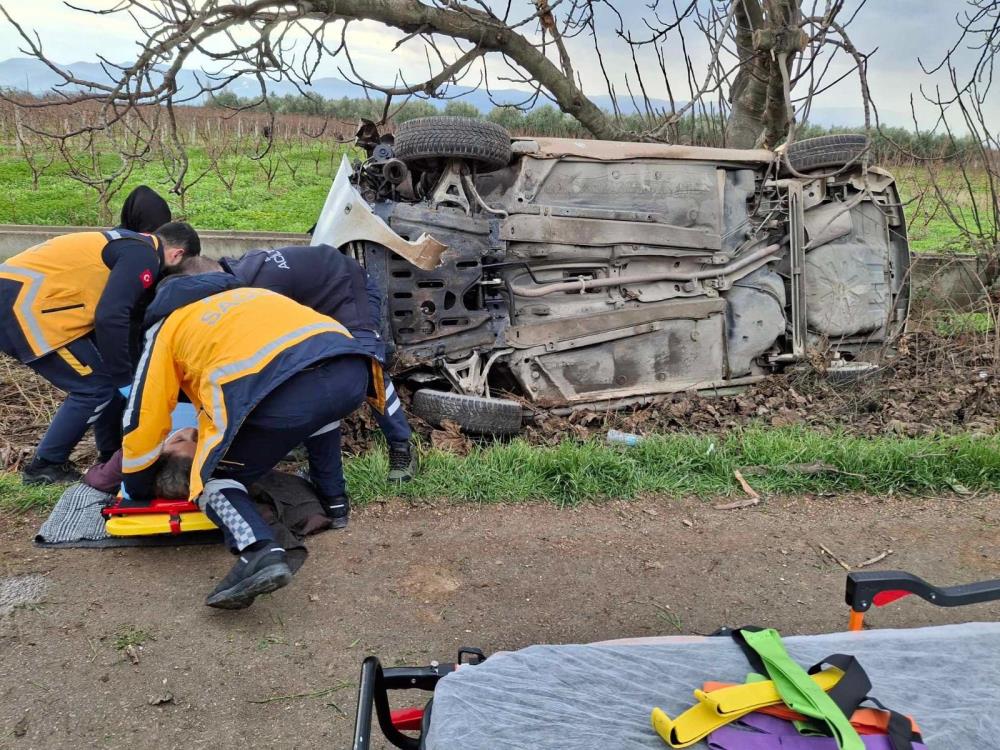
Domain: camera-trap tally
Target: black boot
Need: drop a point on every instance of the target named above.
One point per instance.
(402, 462)
(338, 509)
(40, 471)
(256, 572)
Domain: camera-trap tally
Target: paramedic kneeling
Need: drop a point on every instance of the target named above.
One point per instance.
(67, 309)
(265, 374)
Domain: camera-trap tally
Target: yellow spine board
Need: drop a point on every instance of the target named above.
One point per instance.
(150, 524)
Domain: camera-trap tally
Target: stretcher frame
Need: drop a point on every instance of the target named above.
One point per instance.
(864, 589)
(157, 517)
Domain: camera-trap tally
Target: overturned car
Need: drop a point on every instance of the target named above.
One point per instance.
(595, 274)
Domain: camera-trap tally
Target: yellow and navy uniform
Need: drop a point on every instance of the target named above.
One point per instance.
(226, 347)
(68, 287)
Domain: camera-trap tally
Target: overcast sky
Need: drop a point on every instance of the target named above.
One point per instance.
(901, 30)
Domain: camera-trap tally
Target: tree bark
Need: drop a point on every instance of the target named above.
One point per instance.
(759, 114)
(748, 98)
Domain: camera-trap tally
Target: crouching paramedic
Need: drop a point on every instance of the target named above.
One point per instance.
(330, 282)
(67, 307)
(265, 374)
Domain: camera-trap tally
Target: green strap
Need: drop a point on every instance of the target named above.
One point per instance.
(798, 691)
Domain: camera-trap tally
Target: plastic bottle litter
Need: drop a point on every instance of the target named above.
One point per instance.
(628, 438)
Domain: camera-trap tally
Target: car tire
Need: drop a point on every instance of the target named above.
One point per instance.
(852, 373)
(826, 152)
(423, 143)
(474, 414)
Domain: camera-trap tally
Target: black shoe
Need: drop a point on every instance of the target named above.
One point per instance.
(338, 509)
(255, 573)
(402, 462)
(40, 471)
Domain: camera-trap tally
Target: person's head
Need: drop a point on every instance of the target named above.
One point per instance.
(179, 241)
(144, 210)
(183, 442)
(197, 264)
(173, 477)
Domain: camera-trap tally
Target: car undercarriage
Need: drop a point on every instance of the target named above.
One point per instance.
(591, 274)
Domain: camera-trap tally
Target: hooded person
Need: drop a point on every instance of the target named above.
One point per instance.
(68, 308)
(144, 211)
(265, 374)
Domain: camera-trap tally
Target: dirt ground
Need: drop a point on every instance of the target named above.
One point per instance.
(411, 584)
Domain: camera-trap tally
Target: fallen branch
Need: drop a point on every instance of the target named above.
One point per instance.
(836, 559)
(872, 560)
(810, 469)
(752, 501)
(315, 694)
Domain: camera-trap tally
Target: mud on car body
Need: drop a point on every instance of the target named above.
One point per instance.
(595, 274)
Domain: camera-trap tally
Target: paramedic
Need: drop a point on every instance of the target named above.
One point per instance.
(67, 307)
(265, 374)
(334, 284)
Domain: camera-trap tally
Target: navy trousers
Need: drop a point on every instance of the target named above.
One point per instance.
(306, 408)
(91, 399)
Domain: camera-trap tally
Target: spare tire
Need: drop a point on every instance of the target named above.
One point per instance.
(426, 142)
(826, 152)
(475, 415)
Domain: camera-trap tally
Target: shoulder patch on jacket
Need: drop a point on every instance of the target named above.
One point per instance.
(146, 279)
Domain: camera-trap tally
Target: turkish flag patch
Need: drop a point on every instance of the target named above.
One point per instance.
(146, 277)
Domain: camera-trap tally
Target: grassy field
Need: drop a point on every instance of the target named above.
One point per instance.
(293, 200)
(775, 461)
(929, 214)
(289, 204)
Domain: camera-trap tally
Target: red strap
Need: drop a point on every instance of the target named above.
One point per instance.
(407, 718)
(888, 597)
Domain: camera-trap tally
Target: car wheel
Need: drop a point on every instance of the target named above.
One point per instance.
(826, 152)
(423, 143)
(852, 373)
(474, 414)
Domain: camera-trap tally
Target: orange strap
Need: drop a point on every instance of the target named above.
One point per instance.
(864, 720)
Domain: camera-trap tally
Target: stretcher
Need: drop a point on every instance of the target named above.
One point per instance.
(601, 695)
(129, 518)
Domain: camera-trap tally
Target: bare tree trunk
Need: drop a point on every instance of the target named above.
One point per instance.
(759, 115)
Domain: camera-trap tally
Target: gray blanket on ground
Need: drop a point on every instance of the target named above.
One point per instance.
(600, 696)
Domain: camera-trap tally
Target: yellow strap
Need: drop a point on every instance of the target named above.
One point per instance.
(758, 694)
(720, 707)
(77, 365)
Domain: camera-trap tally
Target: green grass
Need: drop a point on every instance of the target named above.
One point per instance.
(130, 635)
(288, 205)
(951, 323)
(18, 497)
(681, 465)
(929, 226)
(669, 465)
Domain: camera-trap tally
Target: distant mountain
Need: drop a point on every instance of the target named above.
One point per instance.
(33, 76)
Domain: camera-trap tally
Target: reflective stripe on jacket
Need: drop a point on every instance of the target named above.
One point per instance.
(50, 293)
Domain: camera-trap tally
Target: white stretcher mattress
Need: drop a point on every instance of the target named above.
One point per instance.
(600, 695)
